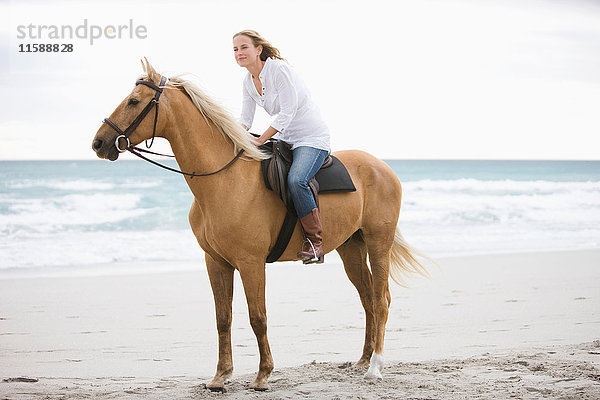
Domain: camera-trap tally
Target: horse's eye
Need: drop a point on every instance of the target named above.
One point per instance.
(133, 102)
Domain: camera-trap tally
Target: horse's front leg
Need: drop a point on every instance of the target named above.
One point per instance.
(253, 278)
(221, 280)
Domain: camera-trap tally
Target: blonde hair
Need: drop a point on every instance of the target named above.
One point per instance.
(268, 51)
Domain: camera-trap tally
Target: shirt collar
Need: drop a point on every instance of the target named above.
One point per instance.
(265, 67)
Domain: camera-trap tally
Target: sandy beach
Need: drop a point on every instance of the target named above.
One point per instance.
(521, 325)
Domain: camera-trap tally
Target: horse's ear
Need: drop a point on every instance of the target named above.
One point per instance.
(143, 66)
(153, 76)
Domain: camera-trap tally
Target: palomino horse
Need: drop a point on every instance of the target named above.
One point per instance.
(236, 220)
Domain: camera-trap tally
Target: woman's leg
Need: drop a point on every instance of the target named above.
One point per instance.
(307, 162)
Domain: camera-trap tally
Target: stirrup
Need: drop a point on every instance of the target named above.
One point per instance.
(314, 259)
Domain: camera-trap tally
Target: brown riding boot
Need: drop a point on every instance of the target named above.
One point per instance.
(312, 247)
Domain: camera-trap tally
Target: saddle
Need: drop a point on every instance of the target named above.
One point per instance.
(276, 169)
(333, 177)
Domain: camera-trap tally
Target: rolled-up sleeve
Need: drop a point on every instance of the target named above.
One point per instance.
(288, 99)
(248, 108)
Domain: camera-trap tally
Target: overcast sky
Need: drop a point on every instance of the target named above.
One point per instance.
(451, 79)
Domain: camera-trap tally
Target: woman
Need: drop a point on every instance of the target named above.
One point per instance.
(276, 87)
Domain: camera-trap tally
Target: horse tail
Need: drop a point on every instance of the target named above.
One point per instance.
(404, 260)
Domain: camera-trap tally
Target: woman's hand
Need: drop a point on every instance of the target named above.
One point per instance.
(266, 136)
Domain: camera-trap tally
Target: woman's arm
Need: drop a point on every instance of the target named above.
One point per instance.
(248, 109)
(267, 135)
(288, 99)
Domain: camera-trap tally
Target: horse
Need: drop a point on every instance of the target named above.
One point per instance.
(236, 219)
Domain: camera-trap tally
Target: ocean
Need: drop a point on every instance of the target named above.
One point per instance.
(97, 217)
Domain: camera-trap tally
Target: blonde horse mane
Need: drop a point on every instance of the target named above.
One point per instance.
(211, 111)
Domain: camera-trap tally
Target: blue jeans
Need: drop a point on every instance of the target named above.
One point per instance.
(307, 162)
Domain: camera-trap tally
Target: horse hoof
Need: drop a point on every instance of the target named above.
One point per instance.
(375, 367)
(373, 376)
(362, 364)
(216, 387)
(260, 386)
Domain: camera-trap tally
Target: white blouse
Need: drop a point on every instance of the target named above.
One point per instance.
(298, 119)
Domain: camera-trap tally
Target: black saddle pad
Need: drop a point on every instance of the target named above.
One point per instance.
(332, 179)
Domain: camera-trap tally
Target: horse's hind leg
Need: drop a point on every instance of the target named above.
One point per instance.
(379, 243)
(354, 256)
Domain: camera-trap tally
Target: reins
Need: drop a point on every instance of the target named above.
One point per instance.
(132, 150)
(136, 150)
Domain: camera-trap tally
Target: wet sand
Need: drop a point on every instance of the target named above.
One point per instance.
(505, 325)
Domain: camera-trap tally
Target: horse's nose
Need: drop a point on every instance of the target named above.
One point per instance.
(97, 145)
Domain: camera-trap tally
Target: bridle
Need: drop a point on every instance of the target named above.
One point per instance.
(136, 122)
